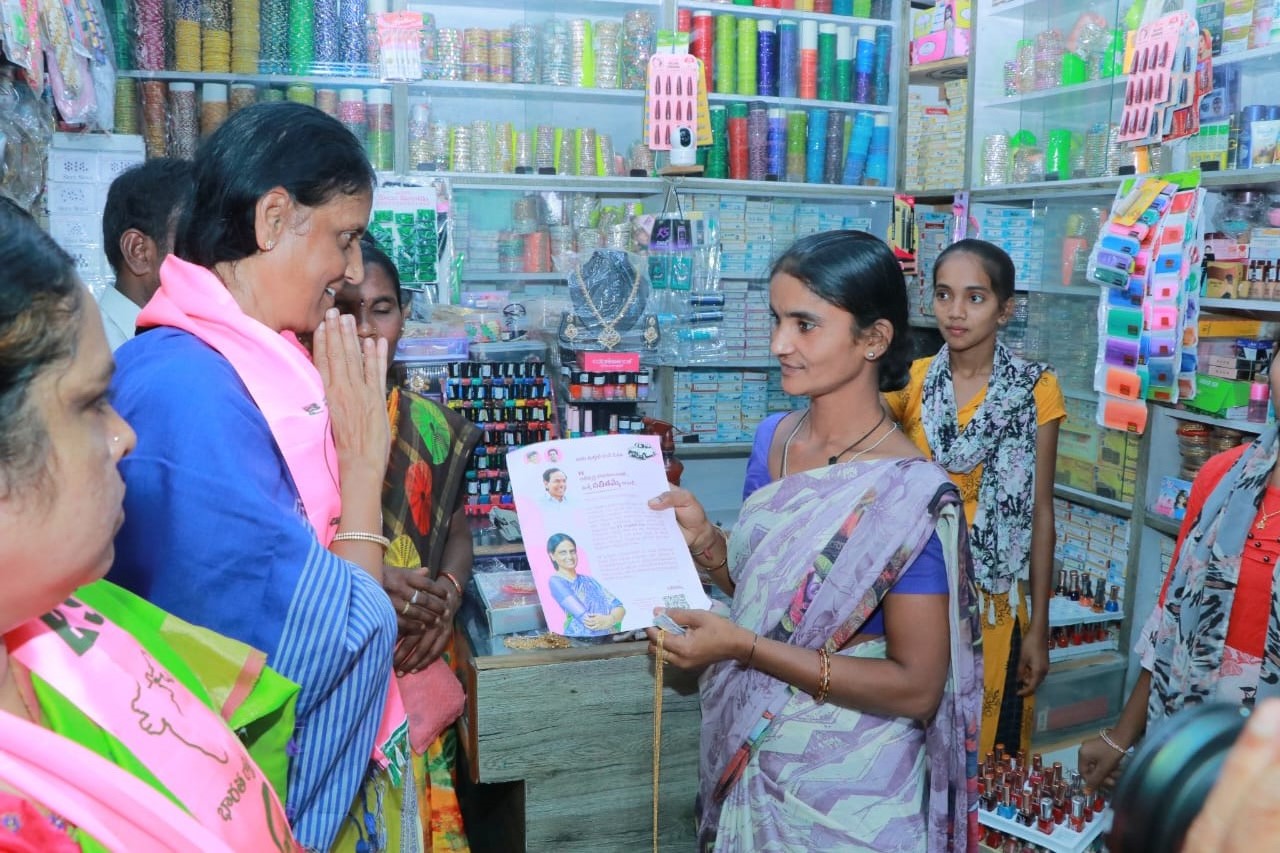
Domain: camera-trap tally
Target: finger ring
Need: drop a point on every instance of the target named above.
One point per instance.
(414, 599)
(405, 612)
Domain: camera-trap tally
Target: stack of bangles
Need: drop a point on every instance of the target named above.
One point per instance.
(1105, 734)
(705, 554)
(354, 536)
(824, 675)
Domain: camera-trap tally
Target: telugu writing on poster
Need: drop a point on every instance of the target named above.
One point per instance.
(602, 560)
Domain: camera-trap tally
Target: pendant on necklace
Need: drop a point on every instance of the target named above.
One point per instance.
(609, 337)
(570, 329)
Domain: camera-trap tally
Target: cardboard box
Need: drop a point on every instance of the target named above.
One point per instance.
(1217, 396)
(1225, 280)
(510, 602)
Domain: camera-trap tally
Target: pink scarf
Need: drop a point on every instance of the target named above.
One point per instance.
(283, 382)
(287, 389)
(179, 739)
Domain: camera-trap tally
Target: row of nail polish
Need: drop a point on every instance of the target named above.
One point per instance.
(1090, 591)
(1062, 636)
(1036, 796)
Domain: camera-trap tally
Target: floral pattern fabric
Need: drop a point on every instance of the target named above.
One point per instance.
(1187, 634)
(1001, 437)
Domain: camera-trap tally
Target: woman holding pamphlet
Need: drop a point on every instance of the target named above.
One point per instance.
(841, 698)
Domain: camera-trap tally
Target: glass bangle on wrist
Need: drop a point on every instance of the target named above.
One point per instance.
(1105, 734)
(356, 536)
(451, 579)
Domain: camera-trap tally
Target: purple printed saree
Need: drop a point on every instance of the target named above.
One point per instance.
(812, 556)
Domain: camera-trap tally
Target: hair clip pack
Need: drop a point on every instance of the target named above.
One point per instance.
(1162, 79)
(1147, 259)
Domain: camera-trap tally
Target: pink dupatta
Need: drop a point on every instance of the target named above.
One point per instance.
(287, 389)
(181, 741)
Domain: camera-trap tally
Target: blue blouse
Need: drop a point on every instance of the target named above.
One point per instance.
(926, 576)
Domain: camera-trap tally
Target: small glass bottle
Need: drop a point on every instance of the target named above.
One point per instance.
(1113, 606)
(1074, 595)
(642, 386)
(1259, 396)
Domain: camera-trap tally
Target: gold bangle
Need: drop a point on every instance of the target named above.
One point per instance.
(451, 579)
(824, 684)
(356, 536)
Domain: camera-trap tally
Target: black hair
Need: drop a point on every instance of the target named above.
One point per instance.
(546, 475)
(995, 262)
(150, 198)
(557, 539)
(857, 272)
(372, 255)
(279, 144)
(41, 300)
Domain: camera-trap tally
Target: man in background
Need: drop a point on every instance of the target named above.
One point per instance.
(141, 216)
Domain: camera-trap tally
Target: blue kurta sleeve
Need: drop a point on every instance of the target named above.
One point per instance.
(215, 533)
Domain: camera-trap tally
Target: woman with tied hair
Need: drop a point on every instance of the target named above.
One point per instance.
(253, 498)
(118, 722)
(991, 419)
(840, 706)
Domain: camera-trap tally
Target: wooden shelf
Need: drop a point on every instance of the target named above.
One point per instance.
(1058, 93)
(1240, 178)
(955, 68)
(1057, 655)
(469, 90)
(524, 183)
(1188, 415)
(1261, 306)
(1041, 190)
(1124, 509)
(332, 80)
(785, 189)
(799, 103)
(792, 14)
(703, 450)
(1162, 523)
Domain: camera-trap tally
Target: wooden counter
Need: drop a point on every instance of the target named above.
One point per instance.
(570, 732)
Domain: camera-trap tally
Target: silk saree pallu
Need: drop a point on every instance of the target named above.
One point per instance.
(813, 556)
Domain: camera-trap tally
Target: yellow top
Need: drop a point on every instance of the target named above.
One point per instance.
(905, 405)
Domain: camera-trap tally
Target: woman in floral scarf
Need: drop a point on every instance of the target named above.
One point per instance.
(1214, 635)
(991, 419)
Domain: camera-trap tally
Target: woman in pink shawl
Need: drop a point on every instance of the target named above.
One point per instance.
(840, 700)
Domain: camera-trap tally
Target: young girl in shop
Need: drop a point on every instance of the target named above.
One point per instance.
(991, 419)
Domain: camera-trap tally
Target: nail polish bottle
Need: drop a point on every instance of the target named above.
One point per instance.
(1045, 823)
(1077, 813)
(1086, 592)
(1006, 809)
(1075, 585)
(1113, 606)
(1099, 596)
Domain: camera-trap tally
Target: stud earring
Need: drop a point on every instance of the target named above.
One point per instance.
(871, 356)
(271, 244)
